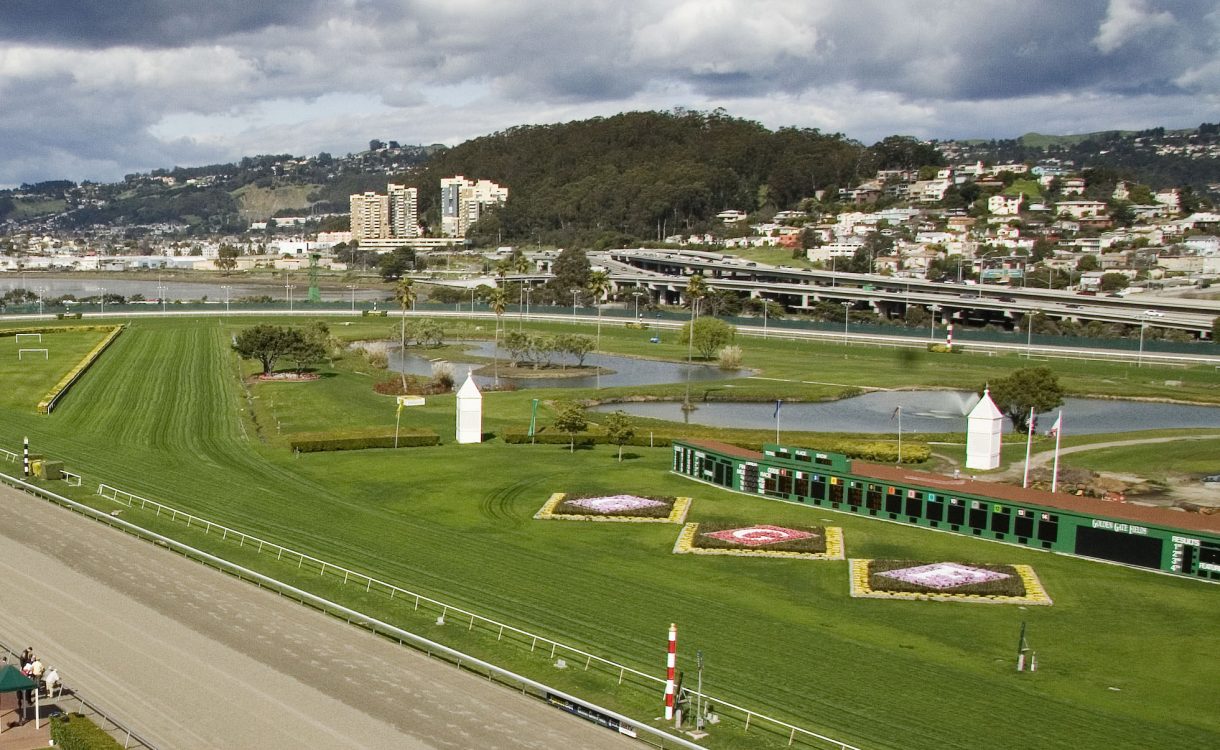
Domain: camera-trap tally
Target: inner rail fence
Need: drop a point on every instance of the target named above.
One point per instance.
(502, 631)
(645, 732)
(67, 696)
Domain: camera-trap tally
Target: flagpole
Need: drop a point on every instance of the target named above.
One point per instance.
(777, 403)
(899, 434)
(1029, 440)
(1058, 432)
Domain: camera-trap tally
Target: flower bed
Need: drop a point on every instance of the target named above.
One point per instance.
(633, 508)
(946, 581)
(761, 540)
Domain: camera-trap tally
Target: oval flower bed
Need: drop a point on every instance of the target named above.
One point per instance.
(946, 581)
(631, 508)
(761, 540)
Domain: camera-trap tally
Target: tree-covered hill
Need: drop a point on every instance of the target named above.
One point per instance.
(640, 174)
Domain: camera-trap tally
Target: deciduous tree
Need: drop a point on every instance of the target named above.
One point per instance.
(571, 420)
(620, 430)
(1034, 388)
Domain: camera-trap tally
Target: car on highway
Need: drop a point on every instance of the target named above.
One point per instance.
(1006, 299)
(1154, 313)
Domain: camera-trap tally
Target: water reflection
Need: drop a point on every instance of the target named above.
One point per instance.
(625, 371)
(184, 291)
(923, 411)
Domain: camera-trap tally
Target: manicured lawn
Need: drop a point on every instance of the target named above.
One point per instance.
(28, 379)
(164, 414)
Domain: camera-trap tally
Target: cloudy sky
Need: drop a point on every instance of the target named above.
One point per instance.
(95, 90)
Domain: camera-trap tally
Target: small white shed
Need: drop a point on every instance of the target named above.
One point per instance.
(469, 412)
(984, 425)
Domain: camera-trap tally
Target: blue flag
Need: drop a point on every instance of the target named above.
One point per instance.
(777, 403)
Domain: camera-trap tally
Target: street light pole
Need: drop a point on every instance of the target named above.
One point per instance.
(764, 305)
(1029, 334)
(637, 295)
(226, 288)
(353, 288)
(932, 333)
(574, 293)
(1139, 362)
(846, 308)
(528, 292)
(102, 299)
(289, 288)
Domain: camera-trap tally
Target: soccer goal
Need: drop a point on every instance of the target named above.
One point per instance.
(22, 352)
(37, 337)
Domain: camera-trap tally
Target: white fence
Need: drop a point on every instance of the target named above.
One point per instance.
(649, 682)
(464, 661)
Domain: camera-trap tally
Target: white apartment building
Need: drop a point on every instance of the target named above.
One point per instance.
(404, 210)
(370, 216)
(382, 217)
(463, 202)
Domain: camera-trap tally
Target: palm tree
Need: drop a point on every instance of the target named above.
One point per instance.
(695, 288)
(498, 301)
(598, 285)
(404, 292)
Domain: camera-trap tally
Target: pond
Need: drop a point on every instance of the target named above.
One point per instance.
(923, 411)
(622, 370)
(185, 291)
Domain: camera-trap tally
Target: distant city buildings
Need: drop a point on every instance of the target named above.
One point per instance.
(463, 202)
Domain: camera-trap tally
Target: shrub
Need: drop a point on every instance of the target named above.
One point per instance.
(542, 437)
(944, 349)
(76, 732)
(729, 358)
(378, 360)
(355, 441)
(442, 375)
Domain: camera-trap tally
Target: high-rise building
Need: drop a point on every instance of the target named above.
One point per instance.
(370, 216)
(381, 217)
(404, 211)
(463, 202)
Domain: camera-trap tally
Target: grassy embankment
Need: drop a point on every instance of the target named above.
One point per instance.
(163, 414)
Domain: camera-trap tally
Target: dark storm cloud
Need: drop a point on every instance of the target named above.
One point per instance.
(136, 83)
(145, 23)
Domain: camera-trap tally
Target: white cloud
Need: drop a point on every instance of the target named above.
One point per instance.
(300, 78)
(1126, 20)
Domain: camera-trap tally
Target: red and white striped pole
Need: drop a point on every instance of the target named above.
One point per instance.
(949, 336)
(670, 660)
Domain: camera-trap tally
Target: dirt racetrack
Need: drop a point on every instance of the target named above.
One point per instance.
(192, 658)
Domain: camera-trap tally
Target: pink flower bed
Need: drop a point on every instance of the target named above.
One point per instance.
(757, 536)
(944, 575)
(615, 503)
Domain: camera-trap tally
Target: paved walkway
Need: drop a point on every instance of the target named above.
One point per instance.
(192, 658)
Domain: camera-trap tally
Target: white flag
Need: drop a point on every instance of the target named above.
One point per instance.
(1054, 431)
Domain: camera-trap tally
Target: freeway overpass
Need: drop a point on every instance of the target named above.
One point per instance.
(664, 274)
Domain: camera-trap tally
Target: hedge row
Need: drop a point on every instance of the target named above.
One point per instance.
(76, 732)
(314, 443)
(866, 451)
(519, 436)
(53, 329)
(48, 401)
